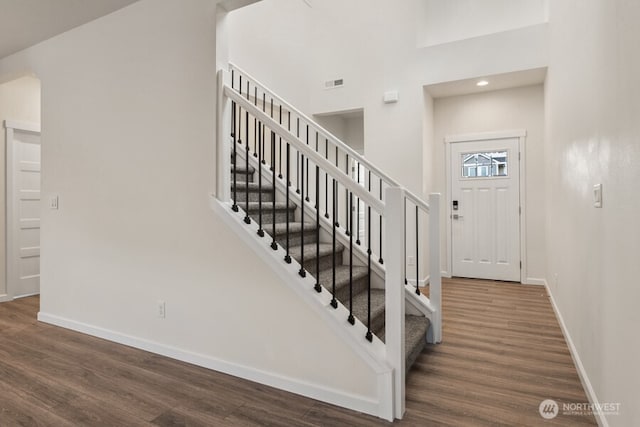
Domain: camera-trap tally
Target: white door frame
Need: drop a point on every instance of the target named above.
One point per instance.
(521, 134)
(11, 248)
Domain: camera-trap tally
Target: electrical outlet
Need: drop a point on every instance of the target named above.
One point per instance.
(411, 260)
(162, 309)
(53, 202)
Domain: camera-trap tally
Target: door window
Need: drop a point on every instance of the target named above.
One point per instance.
(484, 164)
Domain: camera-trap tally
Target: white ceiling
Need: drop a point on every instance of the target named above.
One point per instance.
(24, 23)
(496, 82)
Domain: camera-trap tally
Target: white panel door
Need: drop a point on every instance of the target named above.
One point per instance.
(485, 209)
(24, 254)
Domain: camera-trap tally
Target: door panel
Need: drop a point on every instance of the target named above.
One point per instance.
(25, 253)
(485, 230)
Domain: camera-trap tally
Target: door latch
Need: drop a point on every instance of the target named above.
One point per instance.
(456, 216)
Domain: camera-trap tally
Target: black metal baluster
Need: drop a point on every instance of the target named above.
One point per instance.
(351, 319)
(334, 302)
(287, 257)
(302, 271)
(417, 253)
(234, 207)
(280, 146)
(358, 208)
(247, 219)
(326, 181)
(369, 335)
(260, 159)
(274, 244)
(317, 287)
(346, 198)
(380, 260)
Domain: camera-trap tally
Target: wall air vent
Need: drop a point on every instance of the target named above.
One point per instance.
(332, 84)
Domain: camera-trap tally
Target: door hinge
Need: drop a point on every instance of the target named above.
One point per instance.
(518, 155)
(520, 210)
(520, 265)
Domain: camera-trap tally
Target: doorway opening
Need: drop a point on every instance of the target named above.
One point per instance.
(20, 164)
(485, 224)
(348, 126)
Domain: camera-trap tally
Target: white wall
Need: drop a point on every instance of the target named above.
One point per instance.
(452, 20)
(20, 101)
(371, 44)
(518, 108)
(128, 126)
(592, 111)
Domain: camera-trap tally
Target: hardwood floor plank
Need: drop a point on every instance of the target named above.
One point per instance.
(503, 353)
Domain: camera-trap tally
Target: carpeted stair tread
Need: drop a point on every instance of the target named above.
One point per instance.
(266, 206)
(294, 227)
(310, 251)
(415, 337)
(253, 187)
(241, 169)
(342, 276)
(377, 308)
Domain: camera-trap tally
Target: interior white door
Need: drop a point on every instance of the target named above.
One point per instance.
(485, 209)
(24, 219)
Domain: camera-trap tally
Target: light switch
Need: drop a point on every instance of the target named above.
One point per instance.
(597, 195)
(53, 202)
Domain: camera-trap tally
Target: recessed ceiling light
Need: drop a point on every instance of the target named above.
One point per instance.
(482, 83)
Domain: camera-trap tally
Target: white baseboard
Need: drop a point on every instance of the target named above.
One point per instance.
(313, 391)
(582, 373)
(5, 298)
(423, 282)
(534, 281)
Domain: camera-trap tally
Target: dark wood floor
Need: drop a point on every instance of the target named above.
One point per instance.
(503, 354)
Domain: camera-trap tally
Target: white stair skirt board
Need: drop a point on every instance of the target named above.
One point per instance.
(582, 373)
(371, 353)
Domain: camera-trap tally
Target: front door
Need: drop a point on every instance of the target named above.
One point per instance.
(23, 260)
(485, 209)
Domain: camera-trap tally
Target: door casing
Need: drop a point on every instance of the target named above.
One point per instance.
(521, 135)
(11, 210)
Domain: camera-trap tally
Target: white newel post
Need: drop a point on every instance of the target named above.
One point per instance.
(223, 138)
(394, 292)
(435, 278)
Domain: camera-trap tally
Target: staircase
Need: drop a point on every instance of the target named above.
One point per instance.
(287, 187)
(348, 278)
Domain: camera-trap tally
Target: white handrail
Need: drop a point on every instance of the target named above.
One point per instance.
(334, 139)
(335, 173)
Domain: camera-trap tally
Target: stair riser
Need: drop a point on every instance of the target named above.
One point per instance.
(326, 262)
(267, 215)
(295, 240)
(342, 294)
(242, 177)
(254, 195)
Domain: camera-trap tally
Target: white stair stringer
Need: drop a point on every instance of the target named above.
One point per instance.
(372, 354)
